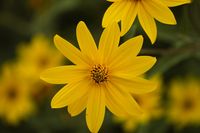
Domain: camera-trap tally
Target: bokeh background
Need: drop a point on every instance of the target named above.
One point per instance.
(27, 28)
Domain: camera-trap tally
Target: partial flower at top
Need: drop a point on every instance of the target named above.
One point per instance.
(146, 10)
(100, 77)
(184, 106)
(16, 103)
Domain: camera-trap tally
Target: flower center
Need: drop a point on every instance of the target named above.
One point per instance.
(99, 73)
(187, 104)
(43, 62)
(12, 93)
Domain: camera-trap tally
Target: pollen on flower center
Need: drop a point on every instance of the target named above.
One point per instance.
(99, 73)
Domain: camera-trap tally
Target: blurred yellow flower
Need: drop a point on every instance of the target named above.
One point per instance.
(184, 105)
(101, 77)
(146, 10)
(36, 57)
(15, 103)
(151, 105)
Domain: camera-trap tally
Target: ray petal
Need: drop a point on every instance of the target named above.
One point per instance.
(134, 66)
(159, 11)
(85, 40)
(173, 3)
(131, 48)
(95, 109)
(113, 13)
(69, 51)
(135, 85)
(148, 23)
(120, 102)
(63, 74)
(109, 42)
(129, 16)
(78, 106)
(69, 94)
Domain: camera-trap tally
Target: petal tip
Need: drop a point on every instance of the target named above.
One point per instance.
(56, 39)
(153, 40)
(54, 105)
(141, 38)
(81, 23)
(154, 60)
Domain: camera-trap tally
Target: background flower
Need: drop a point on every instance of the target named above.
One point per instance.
(16, 103)
(184, 103)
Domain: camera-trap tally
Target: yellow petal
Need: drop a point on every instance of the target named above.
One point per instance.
(131, 48)
(134, 67)
(109, 42)
(78, 106)
(173, 3)
(148, 23)
(113, 13)
(121, 103)
(95, 109)
(85, 40)
(114, 105)
(135, 85)
(69, 51)
(159, 11)
(69, 94)
(63, 74)
(128, 17)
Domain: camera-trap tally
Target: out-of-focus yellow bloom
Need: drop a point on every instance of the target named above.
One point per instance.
(36, 57)
(146, 10)
(184, 104)
(151, 105)
(101, 77)
(15, 103)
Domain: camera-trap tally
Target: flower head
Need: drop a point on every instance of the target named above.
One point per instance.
(37, 56)
(100, 77)
(146, 10)
(184, 104)
(16, 103)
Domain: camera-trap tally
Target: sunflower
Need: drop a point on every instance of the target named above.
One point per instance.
(184, 104)
(15, 103)
(100, 77)
(146, 10)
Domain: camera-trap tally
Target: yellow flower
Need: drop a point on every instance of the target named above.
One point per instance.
(184, 105)
(100, 77)
(15, 103)
(146, 10)
(36, 57)
(150, 103)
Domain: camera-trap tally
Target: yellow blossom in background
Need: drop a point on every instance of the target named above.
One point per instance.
(125, 11)
(100, 77)
(16, 103)
(184, 104)
(35, 57)
(151, 105)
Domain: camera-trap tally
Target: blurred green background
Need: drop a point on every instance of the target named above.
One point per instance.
(177, 49)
